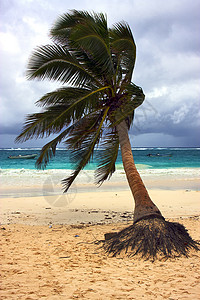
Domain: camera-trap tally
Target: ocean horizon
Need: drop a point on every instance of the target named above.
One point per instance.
(145, 158)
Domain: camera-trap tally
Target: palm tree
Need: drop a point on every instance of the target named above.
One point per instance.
(96, 107)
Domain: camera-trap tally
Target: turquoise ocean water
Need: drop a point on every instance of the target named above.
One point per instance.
(19, 177)
(145, 158)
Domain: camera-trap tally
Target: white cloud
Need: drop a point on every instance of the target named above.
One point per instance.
(9, 43)
(180, 114)
(157, 92)
(39, 31)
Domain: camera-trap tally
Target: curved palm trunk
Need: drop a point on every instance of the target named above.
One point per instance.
(143, 204)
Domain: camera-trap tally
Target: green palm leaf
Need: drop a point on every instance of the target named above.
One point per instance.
(76, 108)
(88, 33)
(49, 150)
(124, 48)
(107, 156)
(95, 46)
(68, 23)
(83, 139)
(67, 105)
(57, 63)
(43, 124)
(63, 96)
(64, 25)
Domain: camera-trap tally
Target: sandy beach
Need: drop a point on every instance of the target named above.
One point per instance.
(50, 246)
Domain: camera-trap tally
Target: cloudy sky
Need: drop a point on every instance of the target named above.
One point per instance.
(167, 66)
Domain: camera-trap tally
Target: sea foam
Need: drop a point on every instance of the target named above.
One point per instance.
(19, 177)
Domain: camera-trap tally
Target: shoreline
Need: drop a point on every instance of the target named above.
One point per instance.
(92, 207)
(37, 196)
(18, 183)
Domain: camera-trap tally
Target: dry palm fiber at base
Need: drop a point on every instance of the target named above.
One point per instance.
(150, 238)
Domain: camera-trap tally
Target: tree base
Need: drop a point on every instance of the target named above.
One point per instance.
(152, 238)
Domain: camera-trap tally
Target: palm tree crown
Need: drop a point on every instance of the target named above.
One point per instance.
(95, 65)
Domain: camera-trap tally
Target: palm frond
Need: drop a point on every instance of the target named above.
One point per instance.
(63, 96)
(107, 156)
(67, 24)
(49, 150)
(88, 33)
(123, 45)
(74, 109)
(88, 39)
(64, 25)
(83, 139)
(67, 105)
(57, 63)
(43, 124)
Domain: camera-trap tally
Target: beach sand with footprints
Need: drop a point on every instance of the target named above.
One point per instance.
(50, 247)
